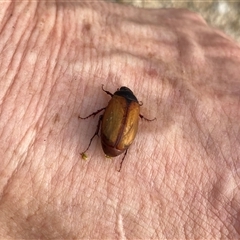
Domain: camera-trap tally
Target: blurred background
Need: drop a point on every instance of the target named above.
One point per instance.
(224, 15)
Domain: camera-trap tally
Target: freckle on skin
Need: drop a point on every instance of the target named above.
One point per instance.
(86, 28)
(56, 118)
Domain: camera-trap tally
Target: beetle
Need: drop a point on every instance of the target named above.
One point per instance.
(119, 123)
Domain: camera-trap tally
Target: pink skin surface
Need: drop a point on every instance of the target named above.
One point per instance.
(180, 178)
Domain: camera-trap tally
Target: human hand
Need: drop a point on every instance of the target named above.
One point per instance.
(180, 178)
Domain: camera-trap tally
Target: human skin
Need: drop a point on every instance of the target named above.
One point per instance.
(180, 178)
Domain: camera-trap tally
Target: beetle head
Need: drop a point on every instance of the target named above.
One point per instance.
(126, 93)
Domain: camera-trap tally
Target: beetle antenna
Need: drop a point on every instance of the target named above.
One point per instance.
(122, 160)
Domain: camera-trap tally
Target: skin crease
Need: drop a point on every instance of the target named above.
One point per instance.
(180, 178)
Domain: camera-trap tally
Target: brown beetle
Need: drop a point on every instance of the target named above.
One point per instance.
(119, 123)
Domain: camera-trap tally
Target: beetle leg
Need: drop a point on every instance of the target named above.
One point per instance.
(149, 120)
(93, 114)
(95, 134)
(107, 91)
(122, 160)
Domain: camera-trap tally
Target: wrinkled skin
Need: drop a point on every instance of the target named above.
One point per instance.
(180, 178)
